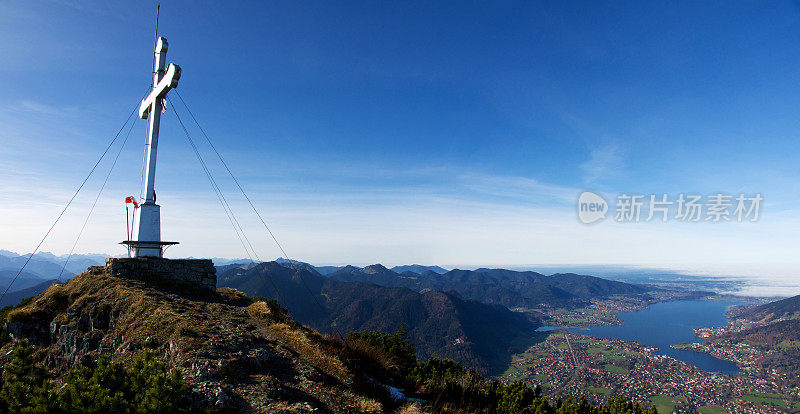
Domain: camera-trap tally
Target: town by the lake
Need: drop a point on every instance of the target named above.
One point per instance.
(569, 361)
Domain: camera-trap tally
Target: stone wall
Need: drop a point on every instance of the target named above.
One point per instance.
(195, 273)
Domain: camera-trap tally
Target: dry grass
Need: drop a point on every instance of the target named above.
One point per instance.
(282, 407)
(357, 402)
(140, 316)
(411, 409)
(53, 300)
(21, 314)
(81, 290)
(259, 310)
(310, 351)
(368, 405)
(232, 295)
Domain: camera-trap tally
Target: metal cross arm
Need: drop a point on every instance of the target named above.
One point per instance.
(169, 81)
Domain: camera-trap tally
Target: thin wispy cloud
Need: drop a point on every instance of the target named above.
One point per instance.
(520, 188)
(39, 108)
(605, 162)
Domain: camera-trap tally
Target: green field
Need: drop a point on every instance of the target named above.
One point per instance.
(513, 369)
(599, 390)
(766, 394)
(571, 320)
(538, 377)
(665, 404)
(529, 354)
(599, 350)
(517, 361)
(681, 346)
(614, 368)
(765, 399)
(712, 409)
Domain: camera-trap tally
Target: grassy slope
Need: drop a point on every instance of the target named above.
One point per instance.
(247, 355)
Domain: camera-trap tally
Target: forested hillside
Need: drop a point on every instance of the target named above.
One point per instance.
(439, 324)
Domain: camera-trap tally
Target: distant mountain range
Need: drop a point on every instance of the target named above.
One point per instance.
(40, 272)
(46, 265)
(512, 289)
(326, 270)
(39, 266)
(419, 269)
(440, 324)
(14, 298)
(499, 286)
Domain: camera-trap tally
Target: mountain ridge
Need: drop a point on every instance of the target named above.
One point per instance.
(419, 269)
(513, 289)
(440, 323)
(788, 308)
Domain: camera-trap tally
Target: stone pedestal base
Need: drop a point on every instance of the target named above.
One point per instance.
(194, 273)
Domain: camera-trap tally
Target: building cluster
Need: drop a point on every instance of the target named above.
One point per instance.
(571, 365)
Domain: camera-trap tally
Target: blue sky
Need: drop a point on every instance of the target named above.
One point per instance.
(457, 133)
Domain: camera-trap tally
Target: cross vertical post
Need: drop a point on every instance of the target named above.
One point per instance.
(148, 236)
(155, 120)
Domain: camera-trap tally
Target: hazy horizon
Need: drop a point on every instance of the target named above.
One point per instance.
(753, 280)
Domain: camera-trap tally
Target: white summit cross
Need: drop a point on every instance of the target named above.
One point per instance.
(148, 237)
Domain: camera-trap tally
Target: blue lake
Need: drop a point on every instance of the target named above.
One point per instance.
(669, 323)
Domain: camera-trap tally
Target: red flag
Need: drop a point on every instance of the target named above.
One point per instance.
(131, 199)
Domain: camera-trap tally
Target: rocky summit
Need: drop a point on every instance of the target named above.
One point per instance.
(235, 353)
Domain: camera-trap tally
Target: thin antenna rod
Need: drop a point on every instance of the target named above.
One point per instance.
(155, 42)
